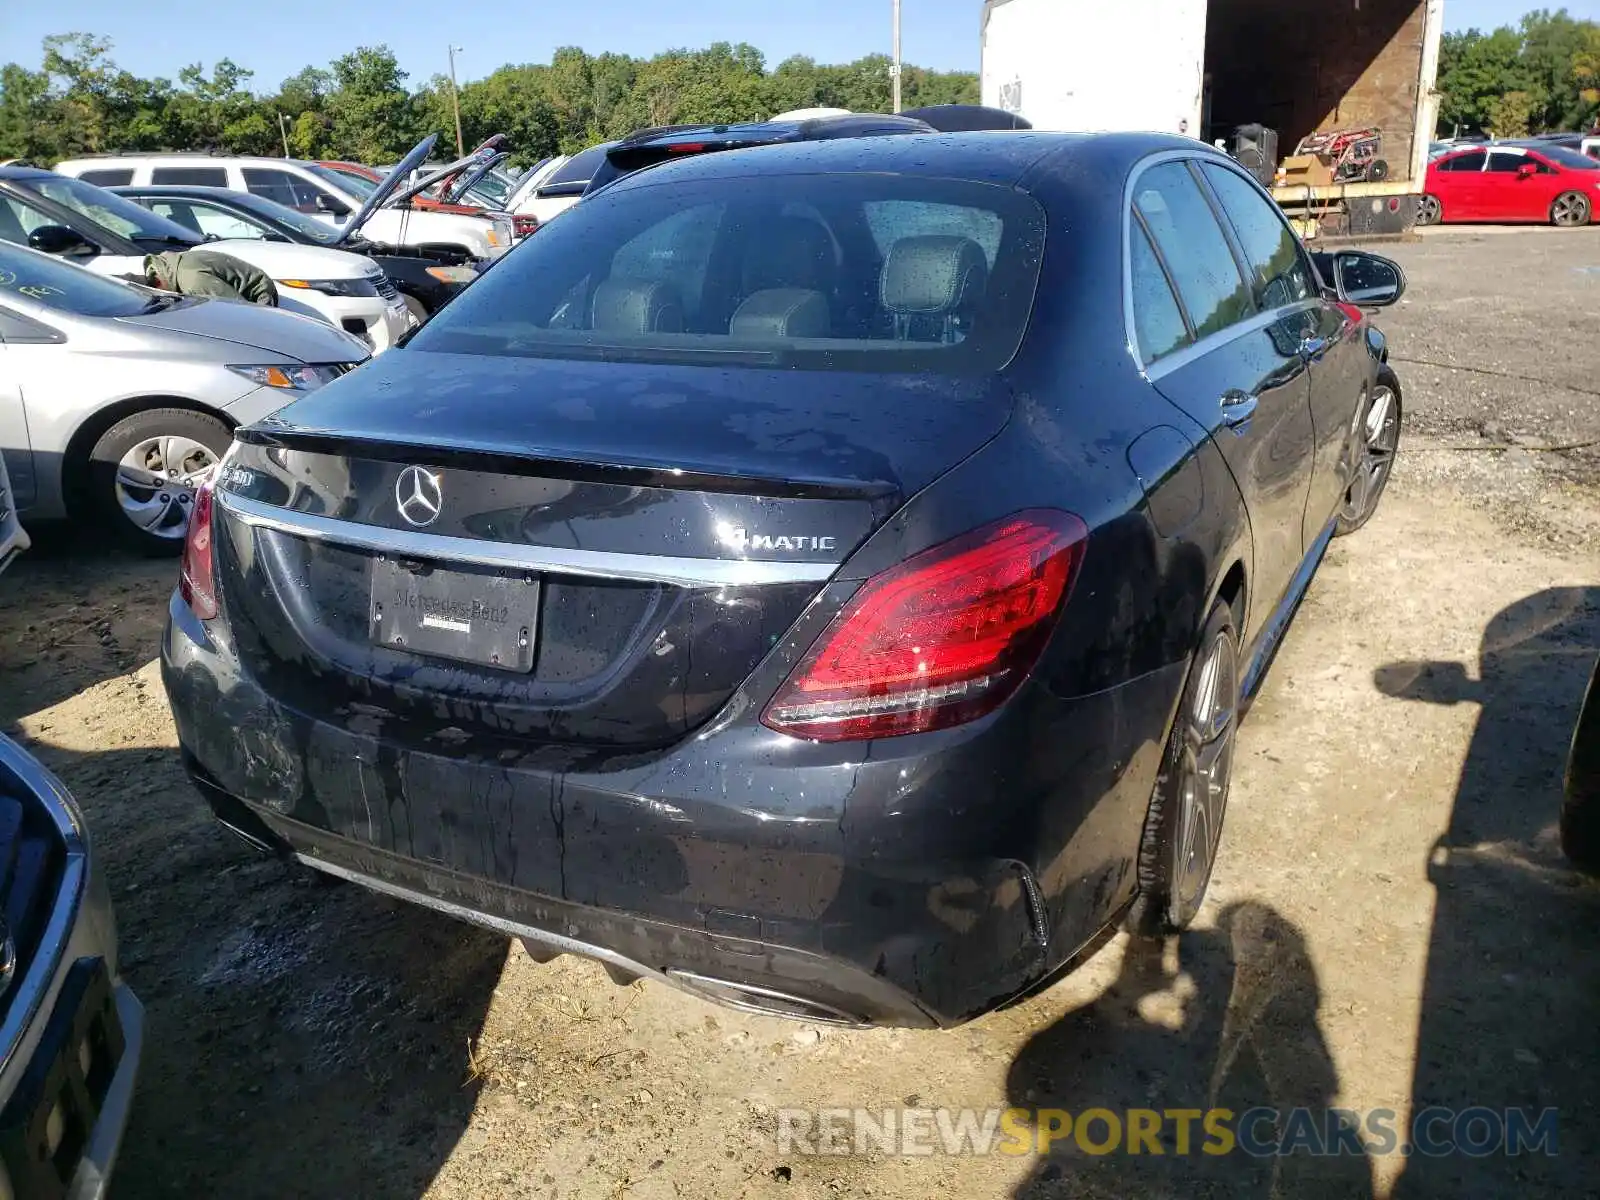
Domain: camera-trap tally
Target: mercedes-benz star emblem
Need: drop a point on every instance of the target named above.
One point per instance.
(418, 496)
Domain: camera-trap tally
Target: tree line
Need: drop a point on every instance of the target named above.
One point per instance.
(359, 107)
(1542, 75)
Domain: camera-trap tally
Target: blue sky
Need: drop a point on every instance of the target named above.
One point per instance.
(278, 37)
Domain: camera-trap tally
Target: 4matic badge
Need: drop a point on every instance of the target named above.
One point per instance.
(741, 539)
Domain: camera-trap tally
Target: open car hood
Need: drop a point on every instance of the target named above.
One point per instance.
(487, 152)
(453, 193)
(385, 191)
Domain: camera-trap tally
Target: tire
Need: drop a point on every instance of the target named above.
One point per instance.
(415, 307)
(1184, 825)
(1376, 448)
(1430, 211)
(1377, 171)
(1570, 210)
(1580, 805)
(140, 498)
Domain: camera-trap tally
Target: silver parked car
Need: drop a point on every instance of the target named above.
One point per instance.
(116, 401)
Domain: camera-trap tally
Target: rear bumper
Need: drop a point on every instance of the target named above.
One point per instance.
(923, 882)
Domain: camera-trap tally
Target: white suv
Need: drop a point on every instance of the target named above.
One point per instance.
(307, 187)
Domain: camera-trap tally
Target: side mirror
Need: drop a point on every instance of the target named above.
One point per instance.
(1527, 171)
(1366, 279)
(58, 239)
(327, 204)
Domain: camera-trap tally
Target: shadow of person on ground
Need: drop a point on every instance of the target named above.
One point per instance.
(1220, 1018)
(301, 1039)
(1511, 998)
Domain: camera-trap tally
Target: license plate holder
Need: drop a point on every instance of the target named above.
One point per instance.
(489, 618)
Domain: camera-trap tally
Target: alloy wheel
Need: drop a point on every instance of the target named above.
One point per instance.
(1570, 209)
(1207, 766)
(1430, 211)
(156, 482)
(1380, 438)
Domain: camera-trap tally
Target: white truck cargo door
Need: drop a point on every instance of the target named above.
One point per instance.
(1091, 65)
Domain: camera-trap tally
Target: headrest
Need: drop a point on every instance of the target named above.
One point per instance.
(782, 313)
(790, 252)
(933, 275)
(636, 306)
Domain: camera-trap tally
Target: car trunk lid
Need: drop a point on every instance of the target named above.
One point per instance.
(604, 552)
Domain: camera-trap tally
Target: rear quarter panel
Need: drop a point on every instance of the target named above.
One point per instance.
(1161, 539)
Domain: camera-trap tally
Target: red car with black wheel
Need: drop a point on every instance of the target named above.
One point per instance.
(1510, 182)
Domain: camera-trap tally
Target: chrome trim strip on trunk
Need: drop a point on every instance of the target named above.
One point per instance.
(593, 564)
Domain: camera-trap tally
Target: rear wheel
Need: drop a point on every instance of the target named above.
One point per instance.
(1569, 209)
(1184, 826)
(144, 472)
(1378, 441)
(1430, 211)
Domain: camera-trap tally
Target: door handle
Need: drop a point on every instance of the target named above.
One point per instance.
(1314, 347)
(1238, 407)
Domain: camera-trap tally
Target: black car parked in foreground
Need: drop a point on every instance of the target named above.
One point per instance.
(826, 577)
(426, 281)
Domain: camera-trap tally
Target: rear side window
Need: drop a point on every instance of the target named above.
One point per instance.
(580, 168)
(1472, 161)
(1196, 251)
(1270, 246)
(108, 177)
(861, 272)
(288, 190)
(1157, 320)
(189, 176)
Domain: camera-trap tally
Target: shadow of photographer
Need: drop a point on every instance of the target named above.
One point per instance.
(1511, 996)
(1221, 1018)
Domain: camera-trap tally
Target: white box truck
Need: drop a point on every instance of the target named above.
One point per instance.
(1206, 68)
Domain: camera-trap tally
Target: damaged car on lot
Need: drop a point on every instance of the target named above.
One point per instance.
(825, 577)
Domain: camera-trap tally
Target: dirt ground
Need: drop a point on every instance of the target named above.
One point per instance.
(1390, 925)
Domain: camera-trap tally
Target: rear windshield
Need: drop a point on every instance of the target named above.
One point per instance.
(831, 271)
(1572, 160)
(580, 167)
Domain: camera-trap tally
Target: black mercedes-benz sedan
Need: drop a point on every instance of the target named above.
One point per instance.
(825, 577)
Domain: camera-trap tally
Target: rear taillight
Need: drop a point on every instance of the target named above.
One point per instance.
(197, 577)
(939, 640)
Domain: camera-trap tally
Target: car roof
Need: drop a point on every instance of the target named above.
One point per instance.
(1000, 156)
(25, 173)
(842, 125)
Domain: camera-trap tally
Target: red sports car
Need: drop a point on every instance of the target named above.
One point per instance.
(1511, 181)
